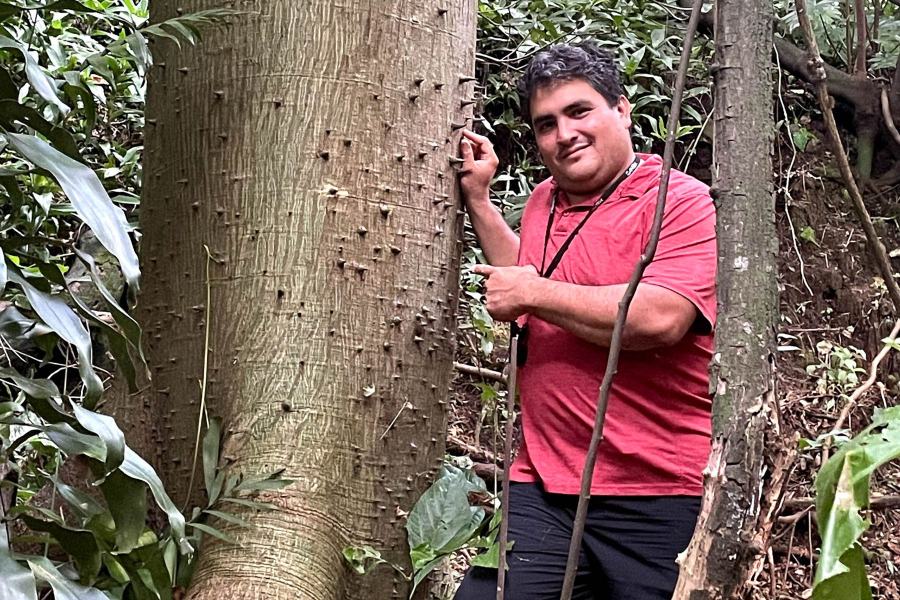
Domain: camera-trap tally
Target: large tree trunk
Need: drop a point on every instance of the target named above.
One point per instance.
(308, 147)
(742, 375)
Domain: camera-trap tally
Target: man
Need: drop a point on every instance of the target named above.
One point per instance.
(582, 233)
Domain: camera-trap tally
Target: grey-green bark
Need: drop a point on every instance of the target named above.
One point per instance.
(308, 146)
(742, 374)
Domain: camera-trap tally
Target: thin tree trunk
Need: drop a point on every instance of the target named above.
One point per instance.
(715, 563)
(308, 147)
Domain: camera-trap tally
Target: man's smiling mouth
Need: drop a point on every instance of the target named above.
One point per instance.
(574, 151)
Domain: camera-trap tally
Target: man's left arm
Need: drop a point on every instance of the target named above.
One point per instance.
(676, 293)
(657, 316)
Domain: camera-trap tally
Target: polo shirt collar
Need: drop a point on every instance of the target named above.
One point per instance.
(639, 183)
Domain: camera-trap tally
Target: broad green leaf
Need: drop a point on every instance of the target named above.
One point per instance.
(118, 345)
(491, 558)
(137, 468)
(421, 555)
(39, 80)
(89, 198)
(77, 543)
(126, 322)
(106, 429)
(82, 504)
(11, 112)
(850, 585)
(842, 490)
(127, 501)
(17, 581)
(442, 518)
(73, 443)
(115, 568)
(14, 324)
(62, 320)
(36, 388)
(63, 589)
(423, 573)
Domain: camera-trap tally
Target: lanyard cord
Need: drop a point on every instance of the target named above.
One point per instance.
(562, 250)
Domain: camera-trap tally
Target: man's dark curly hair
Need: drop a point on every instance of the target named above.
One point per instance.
(566, 62)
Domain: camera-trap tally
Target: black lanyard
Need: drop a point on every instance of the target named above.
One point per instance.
(562, 250)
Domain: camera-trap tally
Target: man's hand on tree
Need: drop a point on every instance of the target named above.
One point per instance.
(479, 165)
(509, 290)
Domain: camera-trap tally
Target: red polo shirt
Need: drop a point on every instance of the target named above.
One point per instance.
(657, 432)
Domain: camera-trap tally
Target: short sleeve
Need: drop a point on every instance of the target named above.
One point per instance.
(685, 260)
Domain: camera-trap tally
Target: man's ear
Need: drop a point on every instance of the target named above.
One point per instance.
(623, 107)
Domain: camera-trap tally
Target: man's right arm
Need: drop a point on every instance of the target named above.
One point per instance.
(497, 240)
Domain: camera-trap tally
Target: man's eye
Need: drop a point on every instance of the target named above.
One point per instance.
(580, 112)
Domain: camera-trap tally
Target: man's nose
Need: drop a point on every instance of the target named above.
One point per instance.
(566, 132)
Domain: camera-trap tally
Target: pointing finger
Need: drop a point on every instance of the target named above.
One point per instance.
(485, 270)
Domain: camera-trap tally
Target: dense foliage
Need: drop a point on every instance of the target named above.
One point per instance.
(73, 507)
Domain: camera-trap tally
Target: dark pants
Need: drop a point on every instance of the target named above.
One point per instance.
(628, 551)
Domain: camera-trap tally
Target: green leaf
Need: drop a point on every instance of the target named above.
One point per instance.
(137, 468)
(442, 518)
(421, 555)
(491, 558)
(89, 198)
(118, 345)
(362, 559)
(35, 388)
(127, 501)
(18, 582)
(73, 443)
(64, 322)
(229, 518)
(63, 589)
(39, 80)
(11, 111)
(83, 505)
(80, 544)
(106, 429)
(423, 573)
(808, 234)
(842, 490)
(214, 532)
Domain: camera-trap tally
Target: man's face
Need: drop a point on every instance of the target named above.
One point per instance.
(584, 141)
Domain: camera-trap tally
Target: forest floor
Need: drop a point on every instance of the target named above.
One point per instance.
(834, 314)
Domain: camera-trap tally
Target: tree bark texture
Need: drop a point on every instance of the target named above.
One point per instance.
(308, 146)
(742, 379)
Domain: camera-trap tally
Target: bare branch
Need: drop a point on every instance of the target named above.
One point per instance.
(888, 117)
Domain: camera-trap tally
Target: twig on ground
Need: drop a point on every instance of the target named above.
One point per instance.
(473, 452)
(479, 372)
(876, 503)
